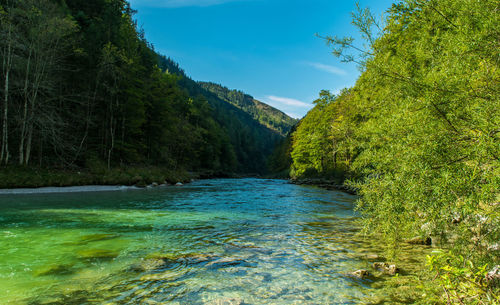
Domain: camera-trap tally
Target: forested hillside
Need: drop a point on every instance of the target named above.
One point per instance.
(268, 116)
(419, 135)
(82, 88)
(252, 140)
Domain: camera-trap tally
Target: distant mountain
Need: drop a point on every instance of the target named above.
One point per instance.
(254, 128)
(266, 115)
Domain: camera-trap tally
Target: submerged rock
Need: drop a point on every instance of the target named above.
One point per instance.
(226, 262)
(167, 275)
(393, 269)
(373, 257)
(147, 265)
(192, 257)
(85, 239)
(386, 268)
(54, 270)
(360, 274)
(97, 254)
(420, 241)
(199, 258)
(157, 261)
(226, 301)
(97, 237)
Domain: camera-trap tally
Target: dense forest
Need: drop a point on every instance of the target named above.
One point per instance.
(418, 136)
(266, 115)
(81, 88)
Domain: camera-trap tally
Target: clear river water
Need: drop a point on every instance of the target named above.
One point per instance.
(227, 241)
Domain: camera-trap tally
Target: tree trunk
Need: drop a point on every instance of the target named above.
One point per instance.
(7, 63)
(88, 119)
(112, 135)
(40, 68)
(28, 145)
(5, 133)
(23, 132)
(40, 153)
(25, 112)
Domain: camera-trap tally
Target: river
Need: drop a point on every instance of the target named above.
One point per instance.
(225, 241)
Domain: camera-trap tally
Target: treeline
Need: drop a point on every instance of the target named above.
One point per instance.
(418, 136)
(81, 87)
(266, 115)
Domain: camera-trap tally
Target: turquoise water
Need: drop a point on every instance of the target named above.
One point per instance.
(242, 241)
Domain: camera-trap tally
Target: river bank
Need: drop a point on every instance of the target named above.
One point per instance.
(16, 177)
(333, 185)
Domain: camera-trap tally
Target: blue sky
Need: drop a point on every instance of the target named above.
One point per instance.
(266, 48)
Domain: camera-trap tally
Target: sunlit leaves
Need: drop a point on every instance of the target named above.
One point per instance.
(421, 126)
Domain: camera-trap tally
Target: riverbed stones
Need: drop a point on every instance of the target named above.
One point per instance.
(159, 261)
(225, 262)
(373, 257)
(97, 237)
(191, 257)
(393, 270)
(148, 265)
(386, 268)
(97, 254)
(420, 241)
(360, 274)
(54, 270)
(167, 275)
(226, 301)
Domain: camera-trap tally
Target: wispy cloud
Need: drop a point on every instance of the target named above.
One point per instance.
(287, 101)
(178, 3)
(327, 68)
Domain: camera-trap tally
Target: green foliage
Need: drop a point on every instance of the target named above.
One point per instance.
(462, 281)
(418, 135)
(268, 116)
(87, 90)
(317, 149)
(281, 160)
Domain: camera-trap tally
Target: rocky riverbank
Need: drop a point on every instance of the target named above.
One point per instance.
(325, 183)
(24, 177)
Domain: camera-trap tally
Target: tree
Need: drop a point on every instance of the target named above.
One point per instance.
(44, 29)
(420, 128)
(7, 52)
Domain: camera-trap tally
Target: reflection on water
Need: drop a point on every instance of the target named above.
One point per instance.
(244, 241)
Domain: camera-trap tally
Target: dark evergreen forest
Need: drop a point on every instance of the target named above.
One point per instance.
(81, 88)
